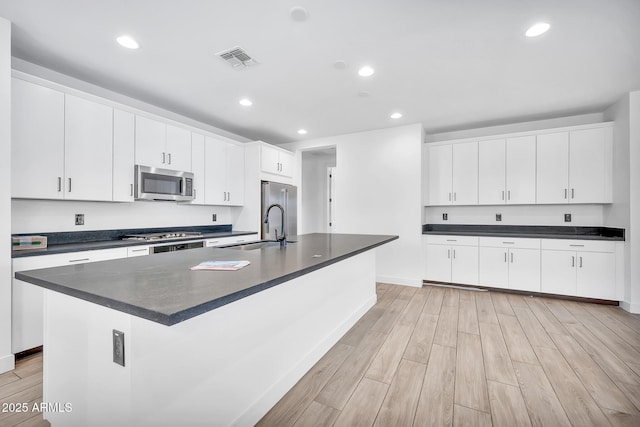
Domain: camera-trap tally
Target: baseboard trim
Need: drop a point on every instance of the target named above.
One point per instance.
(631, 308)
(406, 281)
(7, 363)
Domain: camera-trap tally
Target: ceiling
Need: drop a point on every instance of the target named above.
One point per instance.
(449, 65)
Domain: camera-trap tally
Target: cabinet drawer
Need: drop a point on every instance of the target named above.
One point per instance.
(222, 241)
(578, 245)
(432, 239)
(137, 251)
(508, 242)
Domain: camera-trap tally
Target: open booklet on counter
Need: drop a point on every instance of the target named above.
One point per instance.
(221, 265)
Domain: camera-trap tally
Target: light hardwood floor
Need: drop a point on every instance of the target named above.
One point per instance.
(443, 356)
(22, 386)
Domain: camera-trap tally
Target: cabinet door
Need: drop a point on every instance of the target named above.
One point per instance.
(558, 272)
(524, 269)
(596, 275)
(465, 173)
(552, 158)
(178, 149)
(589, 166)
(198, 168)
(88, 150)
(235, 174)
(123, 155)
(286, 163)
(464, 264)
(438, 263)
(269, 159)
(491, 172)
(151, 140)
(494, 267)
(521, 170)
(440, 158)
(215, 171)
(37, 141)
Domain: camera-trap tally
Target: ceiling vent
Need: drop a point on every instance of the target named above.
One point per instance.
(237, 58)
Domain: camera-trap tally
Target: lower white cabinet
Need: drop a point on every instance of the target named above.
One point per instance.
(27, 299)
(510, 263)
(579, 268)
(452, 259)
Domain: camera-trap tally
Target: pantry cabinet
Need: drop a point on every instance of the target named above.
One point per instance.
(452, 259)
(224, 173)
(510, 263)
(453, 174)
(162, 145)
(575, 166)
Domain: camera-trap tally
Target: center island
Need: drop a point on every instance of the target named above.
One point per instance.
(210, 348)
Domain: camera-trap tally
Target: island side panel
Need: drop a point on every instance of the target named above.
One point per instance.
(227, 366)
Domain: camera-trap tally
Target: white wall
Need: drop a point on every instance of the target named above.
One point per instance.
(634, 201)
(378, 192)
(32, 216)
(6, 358)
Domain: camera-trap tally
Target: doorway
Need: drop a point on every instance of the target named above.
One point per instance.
(318, 185)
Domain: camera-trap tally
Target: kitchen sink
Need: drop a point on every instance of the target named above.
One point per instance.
(249, 246)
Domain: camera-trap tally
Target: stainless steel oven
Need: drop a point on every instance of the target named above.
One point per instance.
(171, 247)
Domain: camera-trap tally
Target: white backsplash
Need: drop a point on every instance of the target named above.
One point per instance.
(33, 216)
(581, 215)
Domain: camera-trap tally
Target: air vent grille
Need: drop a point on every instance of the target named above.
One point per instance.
(237, 58)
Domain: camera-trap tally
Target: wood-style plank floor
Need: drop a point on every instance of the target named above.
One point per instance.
(444, 356)
(21, 389)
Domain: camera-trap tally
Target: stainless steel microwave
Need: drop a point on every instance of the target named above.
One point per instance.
(162, 184)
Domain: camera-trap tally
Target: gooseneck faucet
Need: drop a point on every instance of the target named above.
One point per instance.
(283, 235)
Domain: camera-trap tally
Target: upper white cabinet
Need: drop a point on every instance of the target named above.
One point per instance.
(37, 148)
(575, 166)
(276, 160)
(224, 173)
(521, 170)
(198, 168)
(88, 152)
(162, 145)
(492, 172)
(453, 174)
(123, 154)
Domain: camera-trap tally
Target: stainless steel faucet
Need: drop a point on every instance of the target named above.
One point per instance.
(283, 235)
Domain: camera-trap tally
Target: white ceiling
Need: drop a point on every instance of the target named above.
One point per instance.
(447, 64)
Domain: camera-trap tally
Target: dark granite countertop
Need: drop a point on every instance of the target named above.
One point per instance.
(163, 289)
(76, 241)
(529, 231)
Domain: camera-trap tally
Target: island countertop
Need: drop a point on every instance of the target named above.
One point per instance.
(163, 289)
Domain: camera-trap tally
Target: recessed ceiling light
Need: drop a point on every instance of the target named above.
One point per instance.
(366, 71)
(128, 42)
(396, 115)
(302, 131)
(246, 102)
(537, 29)
(298, 13)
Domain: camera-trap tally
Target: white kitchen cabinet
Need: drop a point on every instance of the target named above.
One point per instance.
(198, 167)
(123, 155)
(161, 145)
(276, 160)
(579, 268)
(510, 263)
(224, 173)
(575, 166)
(88, 150)
(521, 170)
(452, 259)
(492, 172)
(453, 174)
(37, 134)
(27, 299)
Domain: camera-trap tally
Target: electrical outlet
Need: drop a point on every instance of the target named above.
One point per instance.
(79, 219)
(445, 217)
(498, 217)
(214, 217)
(118, 347)
(567, 217)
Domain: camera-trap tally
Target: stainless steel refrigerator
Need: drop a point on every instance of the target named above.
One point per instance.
(287, 197)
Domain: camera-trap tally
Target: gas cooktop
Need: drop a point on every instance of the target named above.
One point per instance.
(162, 237)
